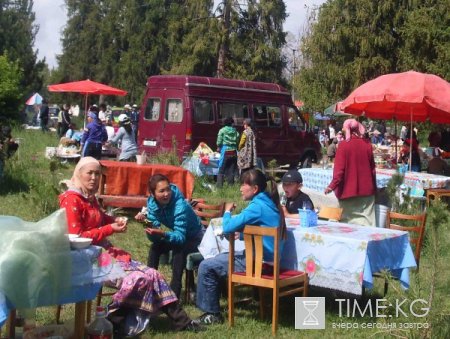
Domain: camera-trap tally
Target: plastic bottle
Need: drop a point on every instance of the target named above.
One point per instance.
(283, 199)
(100, 328)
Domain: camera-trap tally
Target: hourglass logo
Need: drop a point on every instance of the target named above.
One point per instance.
(310, 313)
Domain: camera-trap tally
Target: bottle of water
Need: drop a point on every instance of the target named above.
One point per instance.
(283, 199)
(100, 328)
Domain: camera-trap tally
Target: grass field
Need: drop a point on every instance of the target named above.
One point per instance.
(29, 191)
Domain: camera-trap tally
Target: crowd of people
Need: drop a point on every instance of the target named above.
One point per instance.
(144, 291)
(410, 153)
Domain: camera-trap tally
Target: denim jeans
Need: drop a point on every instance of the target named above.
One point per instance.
(210, 274)
(229, 167)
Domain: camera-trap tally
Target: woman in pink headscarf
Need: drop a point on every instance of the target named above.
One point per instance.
(354, 176)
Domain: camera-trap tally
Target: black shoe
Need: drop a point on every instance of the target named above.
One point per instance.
(194, 326)
(210, 318)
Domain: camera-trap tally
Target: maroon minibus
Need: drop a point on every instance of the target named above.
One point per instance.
(185, 110)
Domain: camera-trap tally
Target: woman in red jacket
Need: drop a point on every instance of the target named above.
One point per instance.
(354, 176)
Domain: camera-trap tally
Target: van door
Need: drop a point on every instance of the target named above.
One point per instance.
(174, 123)
(150, 124)
(271, 139)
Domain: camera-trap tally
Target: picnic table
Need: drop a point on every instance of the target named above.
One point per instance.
(336, 256)
(88, 275)
(318, 179)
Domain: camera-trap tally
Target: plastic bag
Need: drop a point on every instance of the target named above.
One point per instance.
(35, 260)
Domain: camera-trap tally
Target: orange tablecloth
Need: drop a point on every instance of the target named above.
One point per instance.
(131, 179)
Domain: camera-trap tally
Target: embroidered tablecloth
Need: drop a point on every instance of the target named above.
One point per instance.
(343, 257)
(318, 179)
(337, 256)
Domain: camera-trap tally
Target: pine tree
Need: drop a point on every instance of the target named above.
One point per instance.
(351, 43)
(17, 34)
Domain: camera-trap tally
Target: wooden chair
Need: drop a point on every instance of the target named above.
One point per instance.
(282, 282)
(206, 212)
(330, 213)
(398, 221)
(437, 193)
(415, 226)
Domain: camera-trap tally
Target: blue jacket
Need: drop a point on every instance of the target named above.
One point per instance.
(94, 133)
(261, 212)
(177, 215)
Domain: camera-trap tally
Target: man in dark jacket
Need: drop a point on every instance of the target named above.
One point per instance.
(43, 115)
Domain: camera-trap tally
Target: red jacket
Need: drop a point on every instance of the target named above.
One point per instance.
(85, 218)
(354, 169)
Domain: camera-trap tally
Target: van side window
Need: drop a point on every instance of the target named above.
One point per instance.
(238, 112)
(265, 115)
(203, 112)
(152, 109)
(174, 110)
(295, 121)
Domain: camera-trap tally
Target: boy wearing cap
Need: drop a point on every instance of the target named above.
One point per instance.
(292, 184)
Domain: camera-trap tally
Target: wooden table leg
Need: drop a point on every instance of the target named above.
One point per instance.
(80, 316)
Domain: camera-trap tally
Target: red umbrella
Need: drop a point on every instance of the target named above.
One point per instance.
(402, 96)
(408, 96)
(86, 87)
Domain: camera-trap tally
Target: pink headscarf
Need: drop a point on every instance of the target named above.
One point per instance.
(353, 127)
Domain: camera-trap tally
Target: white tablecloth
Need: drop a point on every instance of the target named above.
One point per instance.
(318, 179)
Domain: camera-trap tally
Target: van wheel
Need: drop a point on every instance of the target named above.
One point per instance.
(307, 162)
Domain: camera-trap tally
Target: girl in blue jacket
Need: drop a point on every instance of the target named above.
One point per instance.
(263, 210)
(167, 206)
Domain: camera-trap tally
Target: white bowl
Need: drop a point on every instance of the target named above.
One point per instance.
(80, 243)
(72, 236)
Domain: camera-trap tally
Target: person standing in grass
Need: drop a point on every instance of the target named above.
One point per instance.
(127, 138)
(93, 138)
(44, 115)
(227, 142)
(247, 148)
(65, 120)
(263, 210)
(354, 176)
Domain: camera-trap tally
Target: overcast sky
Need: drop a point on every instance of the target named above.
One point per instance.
(51, 18)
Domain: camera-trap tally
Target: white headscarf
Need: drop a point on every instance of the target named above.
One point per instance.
(76, 184)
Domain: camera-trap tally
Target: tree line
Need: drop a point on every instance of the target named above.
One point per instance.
(121, 43)
(352, 41)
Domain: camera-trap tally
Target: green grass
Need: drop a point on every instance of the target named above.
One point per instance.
(30, 190)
